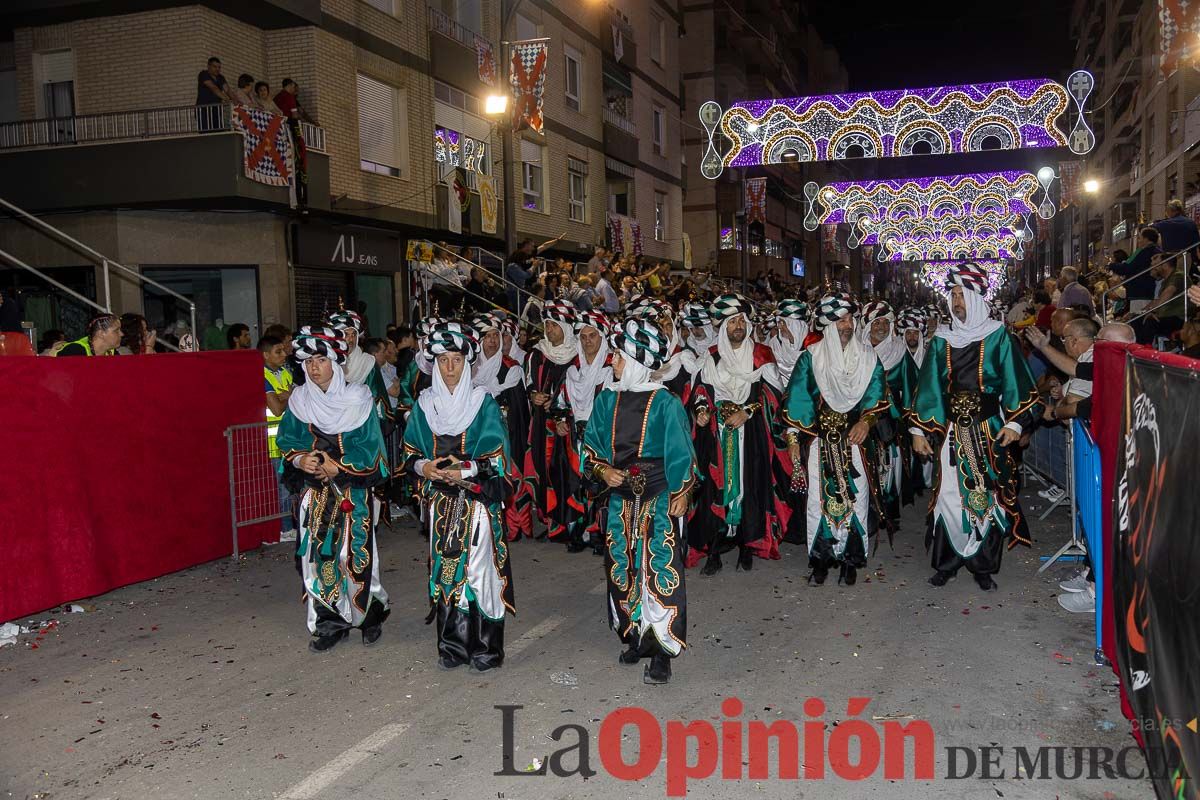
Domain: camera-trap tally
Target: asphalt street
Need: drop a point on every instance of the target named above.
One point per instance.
(199, 684)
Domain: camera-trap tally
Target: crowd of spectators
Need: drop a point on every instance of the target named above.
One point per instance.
(213, 89)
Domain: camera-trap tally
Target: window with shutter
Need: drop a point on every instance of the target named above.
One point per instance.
(380, 127)
(577, 189)
(532, 176)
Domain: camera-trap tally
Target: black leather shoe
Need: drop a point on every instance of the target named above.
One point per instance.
(599, 549)
(745, 561)
(483, 666)
(850, 575)
(576, 547)
(817, 576)
(985, 582)
(939, 578)
(630, 656)
(658, 671)
(712, 565)
(371, 635)
(445, 663)
(322, 644)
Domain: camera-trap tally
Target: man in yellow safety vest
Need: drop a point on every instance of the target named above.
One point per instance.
(278, 387)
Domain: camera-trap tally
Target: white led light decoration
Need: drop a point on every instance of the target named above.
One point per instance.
(901, 122)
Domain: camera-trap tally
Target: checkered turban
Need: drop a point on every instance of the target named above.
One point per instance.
(876, 309)
(910, 319)
(452, 337)
(641, 340)
(345, 319)
(593, 319)
(644, 306)
(559, 312)
(833, 307)
(422, 328)
(482, 323)
(792, 308)
(695, 315)
(729, 305)
(316, 340)
(969, 276)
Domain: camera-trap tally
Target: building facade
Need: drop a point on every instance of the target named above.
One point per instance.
(1147, 125)
(100, 136)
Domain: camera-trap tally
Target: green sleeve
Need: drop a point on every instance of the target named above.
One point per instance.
(928, 408)
(408, 385)
(363, 451)
(418, 439)
(488, 436)
(901, 380)
(877, 399)
(597, 436)
(673, 430)
(294, 436)
(1018, 392)
(799, 408)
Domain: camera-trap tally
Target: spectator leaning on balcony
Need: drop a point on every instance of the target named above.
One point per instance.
(1178, 230)
(1140, 290)
(288, 101)
(262, 98)
(243, 93)
(211, 90)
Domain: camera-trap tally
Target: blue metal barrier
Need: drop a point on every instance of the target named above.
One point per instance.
(1088, 505)
(1047, 454)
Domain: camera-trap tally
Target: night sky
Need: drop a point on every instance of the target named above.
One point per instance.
(936, 43)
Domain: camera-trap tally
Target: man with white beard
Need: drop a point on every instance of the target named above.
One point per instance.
(837, 394)
(736, 397)
(974, 397)
(502, 377)
(586, 377)
(889, 452)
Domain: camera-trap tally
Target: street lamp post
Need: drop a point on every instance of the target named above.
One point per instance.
(496, 106)
(1090, 187)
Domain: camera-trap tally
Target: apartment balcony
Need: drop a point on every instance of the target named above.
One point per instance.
(620, 137)
(616, 39)
(454, 56)
(181, 156)
(263, 14)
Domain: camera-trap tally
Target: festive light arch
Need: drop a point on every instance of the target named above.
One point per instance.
(950, 119)
(961, 195)
(964, 244)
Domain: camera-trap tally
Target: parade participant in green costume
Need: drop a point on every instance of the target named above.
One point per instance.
(360, 366)
(837, 394)
(638, 447)
(333, 455)
(456, 448)
(890, 450)
(973, 399)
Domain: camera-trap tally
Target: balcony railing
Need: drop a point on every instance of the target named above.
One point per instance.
(449, 27)
(617, 121)
(124, 126)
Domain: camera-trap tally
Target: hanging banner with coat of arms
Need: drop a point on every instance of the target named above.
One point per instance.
(756, 200)
(1179, 27)
(488, 203)
(486, 59)
(528, 79)
(1068, 182)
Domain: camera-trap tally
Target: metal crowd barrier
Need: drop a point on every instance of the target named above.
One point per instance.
(1046, 460)
(253, 481)
(1089, 505)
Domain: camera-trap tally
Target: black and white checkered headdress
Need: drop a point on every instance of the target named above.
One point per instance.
(641, 340)
(791, 308)
(730, 305)
(876, 309)
(969, 276)
(646, 307)
(593, 319)
(485, 323)
(452, 337)
(910, 319)
(559, 312)
(695, 315)
(833, 307)
(343, 320)
(317, 340)
(422, 328)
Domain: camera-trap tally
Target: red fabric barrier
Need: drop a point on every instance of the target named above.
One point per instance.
(117, 469)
